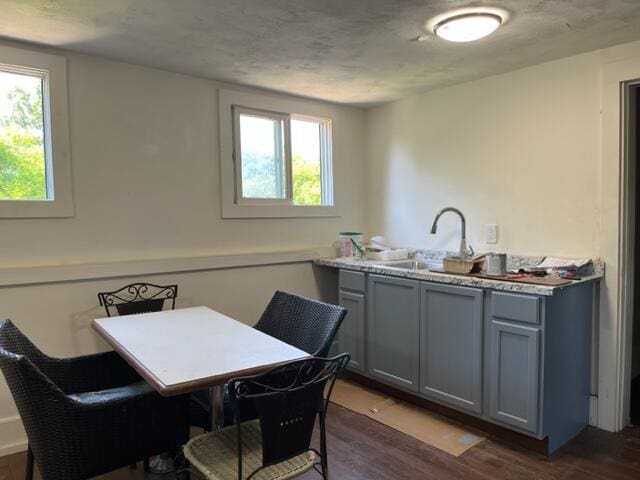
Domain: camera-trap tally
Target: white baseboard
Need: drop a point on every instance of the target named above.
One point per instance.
(13, 439)
(593, 411)
(12, 448)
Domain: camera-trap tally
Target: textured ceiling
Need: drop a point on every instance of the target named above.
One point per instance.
(350, 51)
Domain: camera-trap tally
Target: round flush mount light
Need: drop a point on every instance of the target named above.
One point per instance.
(467, 25)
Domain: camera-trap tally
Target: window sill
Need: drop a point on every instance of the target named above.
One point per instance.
(233, 210)
(59, 208)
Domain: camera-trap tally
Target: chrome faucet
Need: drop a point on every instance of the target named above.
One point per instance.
(465, 250)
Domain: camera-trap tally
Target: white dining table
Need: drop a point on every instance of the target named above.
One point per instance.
(190, 349)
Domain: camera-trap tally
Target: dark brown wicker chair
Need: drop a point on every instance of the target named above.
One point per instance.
(88, 415)
(307, 324)
(287, 399)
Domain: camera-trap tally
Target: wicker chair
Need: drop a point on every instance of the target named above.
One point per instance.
(287, 399)
(88, 415)
(307, 324)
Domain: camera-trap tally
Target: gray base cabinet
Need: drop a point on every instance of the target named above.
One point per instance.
(351, 337)
(352, 331)
(451, 345)
(515, 357)
(393, 327)
(518, 360)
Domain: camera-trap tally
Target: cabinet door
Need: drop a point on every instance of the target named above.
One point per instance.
(351, 338)
(514, 375)
(393, 326)
(451, 345)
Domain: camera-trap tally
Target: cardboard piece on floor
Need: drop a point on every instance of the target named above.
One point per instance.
(428, 428)
(409, 419)
(355, 398)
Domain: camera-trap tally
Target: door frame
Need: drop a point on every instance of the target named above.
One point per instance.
(620, 68)
(629, 91)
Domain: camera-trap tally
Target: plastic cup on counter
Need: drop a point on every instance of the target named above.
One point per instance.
(351, 245)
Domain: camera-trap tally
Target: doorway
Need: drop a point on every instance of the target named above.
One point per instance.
(634, 156)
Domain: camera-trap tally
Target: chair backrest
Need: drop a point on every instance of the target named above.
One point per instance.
(287, 400)
(15, 345)
(307, 324)
(138, 298)
(35, 394)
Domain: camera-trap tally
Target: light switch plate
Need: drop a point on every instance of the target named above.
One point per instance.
(491, 233)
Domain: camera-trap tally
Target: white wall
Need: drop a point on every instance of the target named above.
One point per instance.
(520, 150)
(145, 160)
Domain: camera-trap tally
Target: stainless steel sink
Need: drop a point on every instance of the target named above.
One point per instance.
(412, 265)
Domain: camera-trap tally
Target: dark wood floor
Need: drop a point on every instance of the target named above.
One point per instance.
(361, 448)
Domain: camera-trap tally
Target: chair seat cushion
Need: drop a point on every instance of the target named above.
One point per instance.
(215, 456)
(110, 394)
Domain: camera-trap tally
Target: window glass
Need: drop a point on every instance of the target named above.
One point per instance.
(23, 162)
(262, 163)
(306, 162)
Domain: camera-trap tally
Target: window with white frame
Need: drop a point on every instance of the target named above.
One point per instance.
(281, 158)
(276, 156)
(35, 179)
(25, 154)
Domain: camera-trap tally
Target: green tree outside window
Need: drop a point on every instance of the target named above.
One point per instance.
(22, 152)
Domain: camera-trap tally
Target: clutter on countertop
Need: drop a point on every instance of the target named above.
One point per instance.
(562, 267)
(455, 264)
(523, 274)
(388, 255)
(379, 249)
(496, 264)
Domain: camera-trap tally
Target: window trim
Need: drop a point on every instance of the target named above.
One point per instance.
(53, 69)
(231, 208)
(239, 110)
(326, 155)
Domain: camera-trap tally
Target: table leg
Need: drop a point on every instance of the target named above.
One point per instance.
(217, 407)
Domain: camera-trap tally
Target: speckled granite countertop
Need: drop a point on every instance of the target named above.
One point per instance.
(372, 266)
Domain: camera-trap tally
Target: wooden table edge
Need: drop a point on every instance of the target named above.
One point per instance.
(207, 382)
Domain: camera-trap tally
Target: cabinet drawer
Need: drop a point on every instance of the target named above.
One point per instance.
(352, 281)
(519, 308)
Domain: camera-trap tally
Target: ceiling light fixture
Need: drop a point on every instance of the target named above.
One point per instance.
(467, 25)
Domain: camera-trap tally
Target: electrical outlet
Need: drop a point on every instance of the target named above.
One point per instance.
(491, 233)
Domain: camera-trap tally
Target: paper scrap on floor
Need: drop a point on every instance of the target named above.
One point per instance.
(409, 419)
